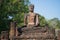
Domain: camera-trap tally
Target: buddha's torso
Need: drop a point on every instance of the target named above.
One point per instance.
(31, 18)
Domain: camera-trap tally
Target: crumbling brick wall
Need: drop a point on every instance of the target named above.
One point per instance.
(58, 35)
(4, 35)
(36, 33)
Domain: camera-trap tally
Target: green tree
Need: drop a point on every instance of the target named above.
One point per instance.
(12, 10)
(42, 20)
(55, 23)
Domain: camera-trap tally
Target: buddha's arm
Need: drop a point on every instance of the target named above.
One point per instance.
(37, 19)
(25, 20)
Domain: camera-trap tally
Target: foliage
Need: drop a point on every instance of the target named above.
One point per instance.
(42, 20)
(55, 23)
(12, 10)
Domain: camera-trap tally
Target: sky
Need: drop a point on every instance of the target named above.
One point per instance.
(47, 8)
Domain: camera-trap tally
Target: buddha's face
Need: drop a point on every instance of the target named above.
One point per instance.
(31, 8)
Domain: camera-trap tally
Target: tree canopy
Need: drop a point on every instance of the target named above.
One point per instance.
(55, 23)
(12, 10)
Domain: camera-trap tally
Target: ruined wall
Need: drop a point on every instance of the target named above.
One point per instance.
(4, 35)
(58, 35)
(36, 33)
(13, 30)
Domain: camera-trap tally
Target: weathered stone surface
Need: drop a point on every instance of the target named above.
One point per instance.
(13, 30)
(4, 35)
(58, 35)
(31, 18)
(36, 33)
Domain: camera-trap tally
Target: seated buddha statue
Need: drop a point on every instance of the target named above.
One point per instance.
(31, 19)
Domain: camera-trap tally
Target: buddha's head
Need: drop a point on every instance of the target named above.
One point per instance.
(31, 8)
